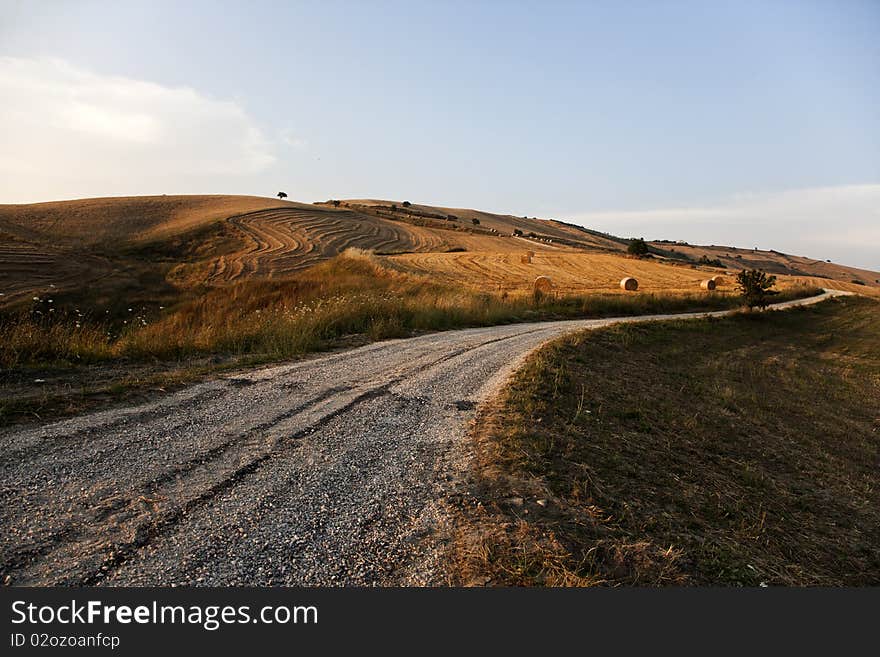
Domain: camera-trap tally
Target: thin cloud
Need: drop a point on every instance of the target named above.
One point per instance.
(289, 138)
(840, 222)
(80, 130)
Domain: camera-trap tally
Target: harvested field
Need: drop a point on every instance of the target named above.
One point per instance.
(580, 271)
(216, 240)
(26, 267)
(774, 262)
(559, 232)
(282, 241)
(102, 221)
(570, 270)
(170, 247)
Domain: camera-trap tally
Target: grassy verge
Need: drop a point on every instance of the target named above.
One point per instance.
(344, 301)
(736, 451)
(350, 295)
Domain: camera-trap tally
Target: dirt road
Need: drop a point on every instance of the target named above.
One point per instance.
(328, 471)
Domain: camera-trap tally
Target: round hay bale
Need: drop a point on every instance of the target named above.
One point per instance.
(531, 254)
(708, 284)
(629, 284)
(525, 259)
(718, 279)
(543, 284)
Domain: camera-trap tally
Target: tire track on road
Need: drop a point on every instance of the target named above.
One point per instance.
(345, 454)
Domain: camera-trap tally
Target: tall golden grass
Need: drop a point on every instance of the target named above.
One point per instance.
(352, 294)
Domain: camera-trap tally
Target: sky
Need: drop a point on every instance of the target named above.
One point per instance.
(746, 123)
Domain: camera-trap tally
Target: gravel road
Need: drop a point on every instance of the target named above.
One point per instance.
(327, 471)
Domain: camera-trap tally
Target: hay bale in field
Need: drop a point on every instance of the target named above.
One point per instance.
(718, 279)
(531, 254)
(543, 285)
(629, 284)
(525, 259)
(708, 284)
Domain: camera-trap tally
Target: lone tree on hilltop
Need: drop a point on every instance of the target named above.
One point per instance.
(637, 247)
(475, 221)
(406, 204)
(281, 195)
(755, 286)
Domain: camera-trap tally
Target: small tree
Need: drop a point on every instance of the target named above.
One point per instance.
(406, 204)
(475, 221)
(637, 247)
(517, 232)
(755, 286)
(281, 195)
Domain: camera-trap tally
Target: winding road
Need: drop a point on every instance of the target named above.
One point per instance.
(327, 471)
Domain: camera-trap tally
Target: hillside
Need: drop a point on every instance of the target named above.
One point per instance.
(772, 261)
(555, 232)
(101, 221)
(160, 247)
(68, 245)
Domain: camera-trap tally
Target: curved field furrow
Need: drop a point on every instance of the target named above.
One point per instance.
(223, 239)
(29, 269)
(281, 241)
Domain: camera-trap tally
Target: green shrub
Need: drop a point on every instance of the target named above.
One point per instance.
(637, 247)
(756, 287)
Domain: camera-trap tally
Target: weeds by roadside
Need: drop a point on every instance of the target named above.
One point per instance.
(736, 451)
(58, 358)
(349, 295)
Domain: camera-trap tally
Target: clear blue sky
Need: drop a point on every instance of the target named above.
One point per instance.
(697, 120)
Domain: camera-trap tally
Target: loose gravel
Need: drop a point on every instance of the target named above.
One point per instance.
(328, 471)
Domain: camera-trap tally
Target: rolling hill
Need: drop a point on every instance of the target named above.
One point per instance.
(164, 245)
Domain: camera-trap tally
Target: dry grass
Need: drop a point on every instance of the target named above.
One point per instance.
(809, 270)
(741, 451)
(353, 294)
(173, 245)
(49, 353)
(577, 272)
(188, 241)
(103, 221)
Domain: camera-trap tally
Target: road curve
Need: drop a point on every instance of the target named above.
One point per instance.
(326, 471)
